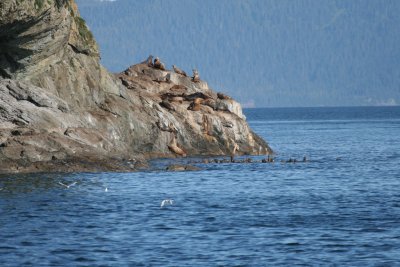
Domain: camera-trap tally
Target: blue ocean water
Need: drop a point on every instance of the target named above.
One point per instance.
(340, 208)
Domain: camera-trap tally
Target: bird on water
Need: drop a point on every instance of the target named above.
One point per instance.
(166, 202)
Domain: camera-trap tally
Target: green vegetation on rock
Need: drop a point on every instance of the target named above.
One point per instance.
(84, 32)
(39, 4)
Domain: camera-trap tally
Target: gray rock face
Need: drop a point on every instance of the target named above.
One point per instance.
(60, 110)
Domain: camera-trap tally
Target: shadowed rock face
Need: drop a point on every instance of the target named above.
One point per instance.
(60, 110)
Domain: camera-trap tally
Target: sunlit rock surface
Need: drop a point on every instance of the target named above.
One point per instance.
(60, 110)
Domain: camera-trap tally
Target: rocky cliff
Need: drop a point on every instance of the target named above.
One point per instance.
(60, 110)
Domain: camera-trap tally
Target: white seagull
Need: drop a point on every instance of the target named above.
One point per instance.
(106, 190)
(166, 202)
(67, 185)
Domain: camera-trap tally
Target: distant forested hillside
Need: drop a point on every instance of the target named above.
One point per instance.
(263, 52)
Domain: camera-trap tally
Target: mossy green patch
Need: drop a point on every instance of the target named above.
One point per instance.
(39, 4)
(84, 32)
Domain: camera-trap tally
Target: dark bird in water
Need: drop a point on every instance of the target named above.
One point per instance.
(158, 64)
(149, 61)
(196, 76)
(179, 71)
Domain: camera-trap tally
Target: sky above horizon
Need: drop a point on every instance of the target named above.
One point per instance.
(265, 53)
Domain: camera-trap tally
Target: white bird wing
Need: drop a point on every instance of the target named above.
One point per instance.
(62, 184)
(167, 202)
(74, 183)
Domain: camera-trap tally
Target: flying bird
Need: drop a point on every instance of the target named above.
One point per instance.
(67, 185)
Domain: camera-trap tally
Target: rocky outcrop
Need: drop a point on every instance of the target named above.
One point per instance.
(60, 110)
(191, 112)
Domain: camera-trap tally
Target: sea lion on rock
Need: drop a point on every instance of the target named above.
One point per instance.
(227, 124)
(193, 96)
(179, 71)
(196, 76)
(210, 102)
(163, 127)
(126, 83)
(158, 64)
(223, 96)
(207, 125)
(195, 105)
(167, 105)
(148, 61)
(166, 79)
(178, 87)
(235, 148)
(173, 146)
(177, 99)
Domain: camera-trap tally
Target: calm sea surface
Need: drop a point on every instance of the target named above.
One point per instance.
(341, 208)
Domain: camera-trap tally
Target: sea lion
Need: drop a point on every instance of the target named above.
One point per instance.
(166, 79)
(158, 64)
(178, 87)
(195, 105)
(179, 71)
(193, 96)
(196, 76)
(207, 125)
(223, 96)
(227, 124)
(269, 159)
(210, 102)
(148, 61)
(208, 129)
(162, 67)
(166, 128)
(167, 105)
(177, 99)
(235, 148)
(126, 83)
(173, 146)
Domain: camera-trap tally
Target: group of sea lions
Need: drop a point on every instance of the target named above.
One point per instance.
(268, 159)
(157, 64)
(177, 94)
